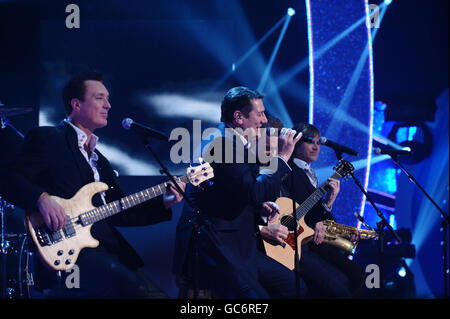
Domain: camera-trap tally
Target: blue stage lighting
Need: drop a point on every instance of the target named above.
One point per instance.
(387, 2)
(406, 134)
(402, 272)
(290, 12)
(392, 221)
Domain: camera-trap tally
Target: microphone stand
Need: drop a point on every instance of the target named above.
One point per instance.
(380, 226)
(444, 223)
(199, 223)
(296, 244)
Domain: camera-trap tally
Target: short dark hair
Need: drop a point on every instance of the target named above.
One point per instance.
(238, 99)
(273, 122)
(309, 132)
(75, 88)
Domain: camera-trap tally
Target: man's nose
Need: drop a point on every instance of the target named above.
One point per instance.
(264, 119)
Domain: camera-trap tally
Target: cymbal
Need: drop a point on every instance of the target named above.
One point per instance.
(13, 111)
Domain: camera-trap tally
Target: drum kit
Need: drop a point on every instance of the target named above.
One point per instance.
(17, 255)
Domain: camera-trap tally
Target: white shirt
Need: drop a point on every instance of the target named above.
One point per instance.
(91, 158)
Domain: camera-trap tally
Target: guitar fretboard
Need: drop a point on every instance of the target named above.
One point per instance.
(127, 202)
(313, 198)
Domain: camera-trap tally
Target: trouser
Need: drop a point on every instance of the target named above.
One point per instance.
(257, 276)
(329, 273)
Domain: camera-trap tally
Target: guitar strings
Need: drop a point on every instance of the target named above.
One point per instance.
(165, 185)
(77, 219)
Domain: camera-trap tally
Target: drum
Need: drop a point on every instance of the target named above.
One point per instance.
(17, 267)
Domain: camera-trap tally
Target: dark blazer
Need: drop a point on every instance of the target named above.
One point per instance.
(231, 204)
(299, 184)
(326, 270)
(50, 161)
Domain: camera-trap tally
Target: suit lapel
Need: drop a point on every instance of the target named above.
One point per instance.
(304, 179)
(87, 175)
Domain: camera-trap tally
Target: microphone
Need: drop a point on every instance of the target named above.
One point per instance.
(270, 130)
(337, 147)
(361, 219)
(391, 151)
(129, 124)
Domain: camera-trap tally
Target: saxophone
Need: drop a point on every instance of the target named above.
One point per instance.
(339, 235)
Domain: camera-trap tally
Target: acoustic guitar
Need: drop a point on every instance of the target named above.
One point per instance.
(284, 252)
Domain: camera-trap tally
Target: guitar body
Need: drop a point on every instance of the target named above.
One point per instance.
(285, 253)
(63, 254)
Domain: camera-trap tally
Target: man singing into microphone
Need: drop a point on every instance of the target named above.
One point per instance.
(59, 161)
(326, 270)
(232, 266)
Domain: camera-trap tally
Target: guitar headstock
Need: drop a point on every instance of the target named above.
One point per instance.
(343, 168)
(199, 174)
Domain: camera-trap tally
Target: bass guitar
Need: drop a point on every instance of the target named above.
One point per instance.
(60, 249)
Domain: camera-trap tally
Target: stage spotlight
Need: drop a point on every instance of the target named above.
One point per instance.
(387, 2)
(402, 272)
(290, 12)
(415, 136)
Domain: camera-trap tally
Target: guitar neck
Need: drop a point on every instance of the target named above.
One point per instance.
(125, 203)
(313, 198)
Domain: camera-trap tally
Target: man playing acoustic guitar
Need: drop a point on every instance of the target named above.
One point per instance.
(326, 270)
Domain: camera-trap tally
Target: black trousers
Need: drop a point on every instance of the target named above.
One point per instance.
(329, 273)
(256, 277)
(100, 276)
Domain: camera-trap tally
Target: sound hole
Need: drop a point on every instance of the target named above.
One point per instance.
(289, 222)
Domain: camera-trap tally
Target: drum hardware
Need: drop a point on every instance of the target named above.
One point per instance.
(4, 122)
(16, 260)
(11, 111)
(19, 269)
(16, 257)
(4, 248)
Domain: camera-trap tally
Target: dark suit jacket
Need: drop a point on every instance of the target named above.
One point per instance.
(299, 184)
(50, 161)
(231, 204)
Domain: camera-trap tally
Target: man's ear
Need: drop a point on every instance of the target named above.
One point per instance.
(237, 116)
(75, 104)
